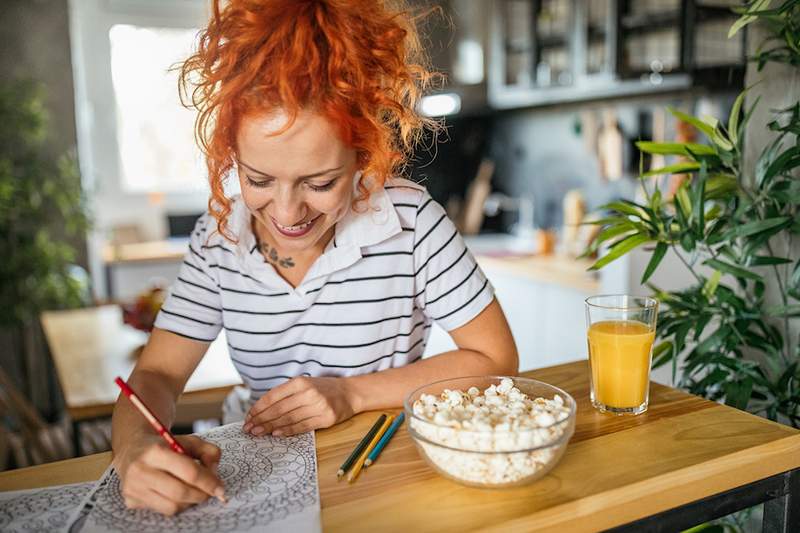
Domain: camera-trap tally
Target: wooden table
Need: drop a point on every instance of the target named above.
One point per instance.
(685, 461)
(141, 254)
(92, 346)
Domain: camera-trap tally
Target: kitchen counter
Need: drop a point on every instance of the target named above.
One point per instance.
(556, 269)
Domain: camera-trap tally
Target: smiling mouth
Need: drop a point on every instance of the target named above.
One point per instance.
(296, 230)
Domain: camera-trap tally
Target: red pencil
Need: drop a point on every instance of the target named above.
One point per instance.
(158, 426)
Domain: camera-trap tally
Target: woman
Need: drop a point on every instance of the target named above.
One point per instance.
(326, 272)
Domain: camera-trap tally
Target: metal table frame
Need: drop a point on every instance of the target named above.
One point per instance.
(780, 495)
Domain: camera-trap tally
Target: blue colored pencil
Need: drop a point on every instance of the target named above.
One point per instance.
(386, 436)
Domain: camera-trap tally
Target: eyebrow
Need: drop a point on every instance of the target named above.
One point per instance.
(307, 176)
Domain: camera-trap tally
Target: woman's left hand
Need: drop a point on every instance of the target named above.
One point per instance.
(299, 405)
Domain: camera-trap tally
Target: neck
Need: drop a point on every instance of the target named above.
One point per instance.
(281, 258)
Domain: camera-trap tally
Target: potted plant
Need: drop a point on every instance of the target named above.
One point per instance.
(41, 204)
(736, 231)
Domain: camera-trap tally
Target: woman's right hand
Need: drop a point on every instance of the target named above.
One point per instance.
(155, 477)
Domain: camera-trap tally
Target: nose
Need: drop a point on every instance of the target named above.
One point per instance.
(288, 207)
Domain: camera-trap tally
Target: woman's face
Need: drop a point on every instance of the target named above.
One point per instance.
(297, 184)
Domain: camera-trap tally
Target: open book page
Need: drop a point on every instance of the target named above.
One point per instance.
(45, 509)
(270, 483)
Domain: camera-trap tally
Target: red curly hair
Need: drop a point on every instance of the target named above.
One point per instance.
(358, 63)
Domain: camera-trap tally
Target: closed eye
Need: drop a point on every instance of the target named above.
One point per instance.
(322, 187)
(258, 183)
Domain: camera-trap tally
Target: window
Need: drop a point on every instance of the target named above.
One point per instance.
(157, 151)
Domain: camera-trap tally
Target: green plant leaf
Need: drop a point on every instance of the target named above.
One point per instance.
(620, 249)
(764, 260)
(658, 255)
(748, 16)
(737, 393)
(677, 168)
(757, 226)
(687, 149)
(727, 268)
(787, 161)
(701, 125)
(662, 353)
(733, 120)
(711, 284)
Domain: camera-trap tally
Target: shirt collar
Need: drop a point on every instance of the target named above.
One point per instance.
(368, 225)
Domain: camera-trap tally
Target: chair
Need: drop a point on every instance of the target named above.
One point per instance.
(27, 439)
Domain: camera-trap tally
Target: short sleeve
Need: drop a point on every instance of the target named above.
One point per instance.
(193, 308)
(451, 287)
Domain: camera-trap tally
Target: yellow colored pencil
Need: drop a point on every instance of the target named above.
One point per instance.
(363, 457)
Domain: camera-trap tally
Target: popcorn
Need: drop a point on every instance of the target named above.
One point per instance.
(471, 426)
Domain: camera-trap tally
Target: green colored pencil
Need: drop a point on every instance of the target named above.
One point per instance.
(361, 446)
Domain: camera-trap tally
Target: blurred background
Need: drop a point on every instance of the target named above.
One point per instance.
(543, 103)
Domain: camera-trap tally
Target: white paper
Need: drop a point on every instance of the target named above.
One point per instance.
(270, 483)
(45, 509)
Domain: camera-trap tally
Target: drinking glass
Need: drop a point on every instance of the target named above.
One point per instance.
(621, 330)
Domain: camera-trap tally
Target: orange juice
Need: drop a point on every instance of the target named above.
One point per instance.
(619, 356)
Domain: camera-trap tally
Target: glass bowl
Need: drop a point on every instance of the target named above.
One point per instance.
(493, 457)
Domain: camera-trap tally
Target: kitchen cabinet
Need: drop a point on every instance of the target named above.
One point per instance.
(550, 51)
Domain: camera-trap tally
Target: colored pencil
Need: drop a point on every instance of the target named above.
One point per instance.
(360, 462)
(361, 445)
(386, 436)
(157, 425)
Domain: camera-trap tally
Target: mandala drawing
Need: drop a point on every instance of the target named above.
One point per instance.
(267, 480)
(45, 509)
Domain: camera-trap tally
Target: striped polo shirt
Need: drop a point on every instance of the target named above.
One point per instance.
(366, 304)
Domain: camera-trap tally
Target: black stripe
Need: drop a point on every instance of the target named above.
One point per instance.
(386, 253)
(234, 271)
(187, 263)
(212, 291)
(221, 247)
(430, 230)
(406, 229)
(367, 278)
(248, 376)
(335, 366)
(454, 263)
(253, 249)
(335, 346)
(188, 336)
(400, 204)
(252, 292)
(434, 254)
(202, 258)
(454, 288)
(264, 313)
(423, 206)
(369, 301)
(188, 317)
(184, 298)
(320, 324)
(466, 304)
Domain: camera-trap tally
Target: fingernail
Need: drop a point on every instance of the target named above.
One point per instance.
(277, 433)
(219, 492)
(258, 431)
(247, 426)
